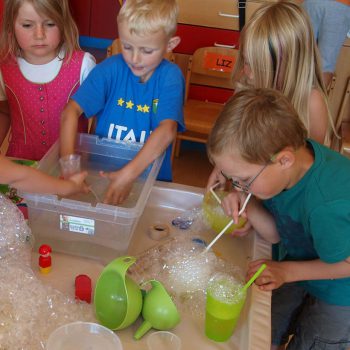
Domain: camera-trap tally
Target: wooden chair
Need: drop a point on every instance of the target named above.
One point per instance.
(114, 48)
(341, 142)
(211, 67)
(343, 123)
(339, 101)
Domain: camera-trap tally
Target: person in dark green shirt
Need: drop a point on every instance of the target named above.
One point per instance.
(301, 197)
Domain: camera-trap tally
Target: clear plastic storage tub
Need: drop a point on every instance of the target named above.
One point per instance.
(81, 225)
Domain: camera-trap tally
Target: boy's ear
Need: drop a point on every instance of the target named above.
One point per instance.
(285, 158)
(173, 42)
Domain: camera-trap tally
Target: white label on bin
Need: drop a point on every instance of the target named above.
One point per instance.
(76, 224)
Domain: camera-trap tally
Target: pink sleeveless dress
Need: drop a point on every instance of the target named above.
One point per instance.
(36, 108)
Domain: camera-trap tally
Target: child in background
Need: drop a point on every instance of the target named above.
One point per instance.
(136, 96)
(302, 194)
(331, 22)
(41, 65)
(278, 51)
(29, 179)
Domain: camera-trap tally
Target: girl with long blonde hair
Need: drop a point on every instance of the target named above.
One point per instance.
(278, 50)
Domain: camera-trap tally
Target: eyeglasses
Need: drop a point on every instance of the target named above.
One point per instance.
(242, 186)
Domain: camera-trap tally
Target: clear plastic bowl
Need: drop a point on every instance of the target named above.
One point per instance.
(83, 336)
(163, 340)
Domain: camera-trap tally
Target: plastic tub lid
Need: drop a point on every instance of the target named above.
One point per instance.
(83, 336)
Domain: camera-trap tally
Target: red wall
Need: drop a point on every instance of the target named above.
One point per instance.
(1, 8)
(96, 18)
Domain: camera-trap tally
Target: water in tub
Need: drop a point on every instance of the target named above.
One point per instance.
(99, 184)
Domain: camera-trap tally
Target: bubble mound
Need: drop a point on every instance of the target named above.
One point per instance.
(225, 288)
(184, 268)
(15, 234)
(29, 310)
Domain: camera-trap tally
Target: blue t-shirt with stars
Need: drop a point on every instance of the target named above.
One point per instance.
(127, 109)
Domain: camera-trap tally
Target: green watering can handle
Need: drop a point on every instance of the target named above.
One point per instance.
(121, 264)
(143, 329)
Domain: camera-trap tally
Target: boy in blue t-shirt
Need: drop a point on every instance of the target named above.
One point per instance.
(136, 96)
(301, 192)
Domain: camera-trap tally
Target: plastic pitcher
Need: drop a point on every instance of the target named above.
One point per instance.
(118, 299)
(159, 311)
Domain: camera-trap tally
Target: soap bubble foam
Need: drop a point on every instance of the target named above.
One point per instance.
(225, 288)
(184, 268)
(29, 310)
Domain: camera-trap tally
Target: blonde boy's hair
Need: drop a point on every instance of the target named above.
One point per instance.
(279, 46)
(150, 16)
(256, 124)
(57, 10)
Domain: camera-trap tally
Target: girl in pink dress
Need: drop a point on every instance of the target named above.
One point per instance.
(41, 66)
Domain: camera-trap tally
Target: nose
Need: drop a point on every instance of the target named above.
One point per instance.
(135, 57)
(39, 32)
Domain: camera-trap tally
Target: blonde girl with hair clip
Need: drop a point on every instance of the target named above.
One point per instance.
(278, 51)
(41, 66)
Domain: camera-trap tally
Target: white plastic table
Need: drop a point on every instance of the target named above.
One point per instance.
(168, 200)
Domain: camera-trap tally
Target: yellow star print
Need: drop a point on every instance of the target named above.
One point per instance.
(120, 102)
(146, 109)
(139, 108)
(129, 104)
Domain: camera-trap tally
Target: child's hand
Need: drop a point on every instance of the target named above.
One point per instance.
(215, 177)
(273, 277)
(232, 204)
(119, 187)
(78, 180)
(243, 231)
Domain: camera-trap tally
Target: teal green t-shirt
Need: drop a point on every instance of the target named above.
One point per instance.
(313, 219)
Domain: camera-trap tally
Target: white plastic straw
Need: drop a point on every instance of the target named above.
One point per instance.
(213, 192)
(228, 225)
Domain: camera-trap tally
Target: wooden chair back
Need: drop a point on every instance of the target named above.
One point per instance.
(211, 66)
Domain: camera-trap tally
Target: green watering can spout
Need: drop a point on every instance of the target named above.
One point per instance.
(159, 311)
(142, 330)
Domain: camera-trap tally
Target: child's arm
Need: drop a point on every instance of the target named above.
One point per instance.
(278, 273)
(69, 127)
(5, 120)
(318, 117)
(259, 217)
(156, 144)
(29, 179)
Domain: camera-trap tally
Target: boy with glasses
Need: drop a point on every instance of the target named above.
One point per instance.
(302, 198)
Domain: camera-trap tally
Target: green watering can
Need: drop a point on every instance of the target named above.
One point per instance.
(159, 311)
(118, 299)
